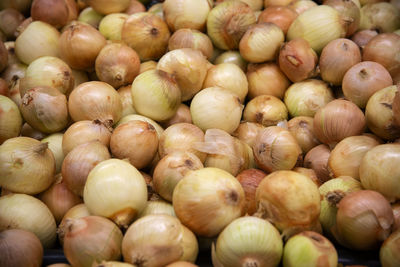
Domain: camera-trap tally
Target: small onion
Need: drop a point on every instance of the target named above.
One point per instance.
(389, 251)
(307, 97)
(157, 207)
(132, 117)
(200, 209)
(383, 17)
(53, 12)
(189, 38)
(301, 5)
(247, 132)
(55, 145)
(276, 149)
(109, 6)
(250, 179)
(10, 119)
(10, 19)
(116, 190)
(310, 173)
(135, 6)
(111, 25)
(28, 131)
(91, 239)
(20, 211)
(302, 128)
(182, 115)
(266, 110)
(147, 65)
(282, 16)
(349, 10)
(26, 165)
(317, 159)
(361, 38)
(231, 56)
(76, 212)
(126, 99)
(90, 16)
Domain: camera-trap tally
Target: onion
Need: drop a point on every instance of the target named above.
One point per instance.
(298, 60)
(131, 117)
(388, 252)
(190, 246)
(116, 190)
(37, 40)
(266, 110)
(91, 17)
(396, 214)
(227, 23)
(317, 159)
(379, 170)
(247, 132)
(24, 24)
(384, 49)
(289, 200)
(361, 38)
(276, 2)
(117, 64)
(76, 212)
(276, 149)
(307, 97)
(53, 12)
(310, 173)
(182, 115)
(20, 248)
(126, 99)
(80, 44)
(181, 264)
(230, 57)
(338, 120)
(261, 42)
(55, 145)
(157, 9)
(218, 108)
(349, 10)
(379, 114)
(301, 128)
(301, 5)
(147, 34)
(200, 209)
(190, 14)
(59, 199)
(91, 239)
(337, 57)
(147, 65)
(135, 6)
(249, 241)
(28, 131)
(13, 73)
(3, 87)
(157, 207)
(95, 100)
(111, 25)
(20, 211)
(318, 25)
(256, 5)
(383, 17)
(362, 80)
(109, 6)
(10, 19)
(250, 179)
(309, 248)
(364, 219)
(10, 119)
(189, 38)
(189, 68)
(282, 16)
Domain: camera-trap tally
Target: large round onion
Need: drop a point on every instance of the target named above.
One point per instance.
(383, 16)
(10, 119)
(282, 16)
(53, 12)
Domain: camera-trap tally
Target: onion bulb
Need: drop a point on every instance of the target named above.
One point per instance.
(126, 99)
(10, 119)
(20, 248)
(76, 212)
(300, 6)
(362, 37)
(28, 131)
(147, 65)
(157, 207)
(317, 159)
(389, 251)
(111, 25)
(266, 110)
(3, 87)
(198, 206)
(230, 56)
(55, 145)
(53, 12)
(383, 17)
(349, 10)
(247, 132)
(282, 16)
(189, 38)
(132, 117)
(10, 19)
(109, 6)
(135, 6)
(250, 179)
(21, 211)
(249, 241)
(91, 17)
(302, 128)
(182, 115)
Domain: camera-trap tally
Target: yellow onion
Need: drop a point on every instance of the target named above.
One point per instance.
(135, 6)
(227, 23)
(37, 40)
(53, 12)
(190, 246)
(228, 76)
(266, 79)
(147, 34)
(191, 14)
(250, 179)
(318, 25)
(216, 107)
(311, 249)
(91, 239)
(247, 132)
(225, 152)
(181, 137)
(396, 215)
(131, 117)
(111, 25)
(346, 157)
(126, 99)
(207, 200)
(301, 5)
(55, 145)
(10, 119)
(282, 16)
(76, 212)
(115, 189)
(80, 44)
(79, 162)
(379, 170)
(182, 115)
(109, 6)
(310, 173)
(275, 149)
(332, 193)
(10, 19)
(349, 10)
(189, 68)
(45, 109)
(26, 165)
(95, 100)
(157, 207)
(383, 17)
(28, 131)
(317, 159)
(157, 9)
(289, 200)
(362, 37)
(20, 211)
(91, 17)
(261, 42)
(337, 120)
(231, 56)
(337, 57)
(79, 77)
(307, 97)
(302, 128)
(363, 220)
(189, 38)
(249, 241)
(147, 65)
(389, 251)
(20, 248)
(266, 110)
(59, 199)
(379, 114)
(363, 79)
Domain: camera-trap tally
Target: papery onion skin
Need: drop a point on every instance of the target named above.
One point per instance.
(350, 10)
(109, 6)
(361, 38)
(189, 38)
(11, 119)
(247, 132)
(282, 16)
(250, 179)
(266, 110)
(111, 25)
(20, 248)
(317, 159)
(53, 12)
(230, 56)
(389, 251)
(126, 99)
(208, 199)
(310, 173)
(21, 211)
(302, 129)
(379, 170)
(383, 17)
(3, 87)
(147, 65)
(76, 212)
(132, 117)
(91, 17)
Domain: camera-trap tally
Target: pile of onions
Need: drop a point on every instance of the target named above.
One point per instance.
(10, 119)
(266, 110)
(189, 38)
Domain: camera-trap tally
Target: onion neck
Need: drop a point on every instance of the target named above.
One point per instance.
(41, 148)
(335, 197)
(124, 217)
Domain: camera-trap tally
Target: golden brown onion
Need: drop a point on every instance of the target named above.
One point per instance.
(382, 16)
(302, 128)
(317, 159)
(111, 25)
(182, 115)
(10, 19)
(76, 212)
(135, 6)
(189, 38)
(247, 132)
(282, 16)
(250, 179)
(53, 12)
(361, 38)
(10, 119)
(109, 6)
(389, 251)
(230, 56)
(348, 10)
(266, 110)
